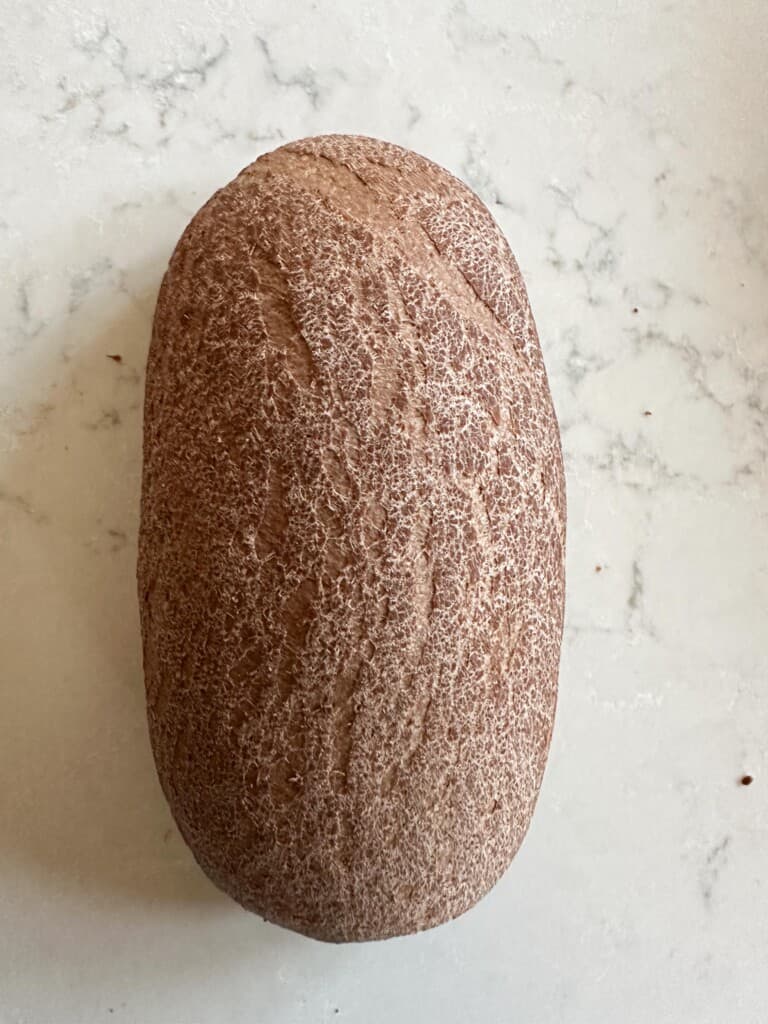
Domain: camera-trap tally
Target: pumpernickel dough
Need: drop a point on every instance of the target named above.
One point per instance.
(351, 550)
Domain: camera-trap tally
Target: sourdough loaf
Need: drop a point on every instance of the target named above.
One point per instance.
(351, 546)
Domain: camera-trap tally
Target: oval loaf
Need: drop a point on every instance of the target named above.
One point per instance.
(351, 547)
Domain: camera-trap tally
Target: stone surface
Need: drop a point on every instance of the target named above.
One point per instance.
(622, 148)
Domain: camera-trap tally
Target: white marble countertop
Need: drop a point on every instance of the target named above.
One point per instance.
(623, 148)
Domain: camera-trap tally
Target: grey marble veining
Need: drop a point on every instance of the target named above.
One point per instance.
(623, 148)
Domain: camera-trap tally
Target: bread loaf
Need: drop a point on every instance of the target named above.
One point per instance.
(351, 547)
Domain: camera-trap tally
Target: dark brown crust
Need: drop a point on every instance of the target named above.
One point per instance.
(351, 550)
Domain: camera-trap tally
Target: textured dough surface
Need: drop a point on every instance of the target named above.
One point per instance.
(351, 549)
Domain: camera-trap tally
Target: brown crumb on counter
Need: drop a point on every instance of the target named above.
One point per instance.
(635, 309)
(115, 358)
(647, 413)
(598, 568)
(746, 780)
